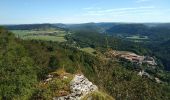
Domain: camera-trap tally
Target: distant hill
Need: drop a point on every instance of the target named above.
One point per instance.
(32, 26)
(84, 27)
(95, 27)
(165, 25)
(155, 32)
(128, 29)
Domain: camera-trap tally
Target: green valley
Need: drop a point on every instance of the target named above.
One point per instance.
(85, 50)
(33, 69)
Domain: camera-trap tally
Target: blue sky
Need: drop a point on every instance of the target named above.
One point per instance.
(82, 11)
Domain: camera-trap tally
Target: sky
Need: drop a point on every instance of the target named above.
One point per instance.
(83, 11)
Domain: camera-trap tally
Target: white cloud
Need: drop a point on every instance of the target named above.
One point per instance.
(130, 10)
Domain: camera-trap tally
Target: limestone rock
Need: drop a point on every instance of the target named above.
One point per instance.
(79, 86)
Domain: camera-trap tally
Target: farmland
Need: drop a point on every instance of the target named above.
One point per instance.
(46, 35)
(137, 38)
(88, 50)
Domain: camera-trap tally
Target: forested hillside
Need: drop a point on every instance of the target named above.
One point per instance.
(155, 32)
(162, 50)
(102, 41)
(26, 63)
(17, 69)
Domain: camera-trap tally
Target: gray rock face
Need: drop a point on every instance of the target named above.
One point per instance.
(80, 86)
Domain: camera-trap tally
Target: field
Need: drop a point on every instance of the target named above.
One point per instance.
(88, 50)
(46, 38)
(137, 38)
(46, 35)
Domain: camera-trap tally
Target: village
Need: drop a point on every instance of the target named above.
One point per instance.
(132, 57)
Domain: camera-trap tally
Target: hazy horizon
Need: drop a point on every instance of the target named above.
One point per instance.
(93, 22)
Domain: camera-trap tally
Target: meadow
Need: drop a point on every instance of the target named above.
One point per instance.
(46, 35)
(88, 50)
(137, 38)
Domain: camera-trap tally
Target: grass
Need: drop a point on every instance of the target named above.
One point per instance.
(21, 33)
(53, 35)
(136, 37)
(46, 38)
(58, 86)
(88, 50)
(97, 96)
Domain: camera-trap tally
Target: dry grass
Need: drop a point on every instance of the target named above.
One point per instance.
(98, 96)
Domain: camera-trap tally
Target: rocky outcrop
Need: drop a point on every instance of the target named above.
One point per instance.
(143, 73)
(80, 86)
